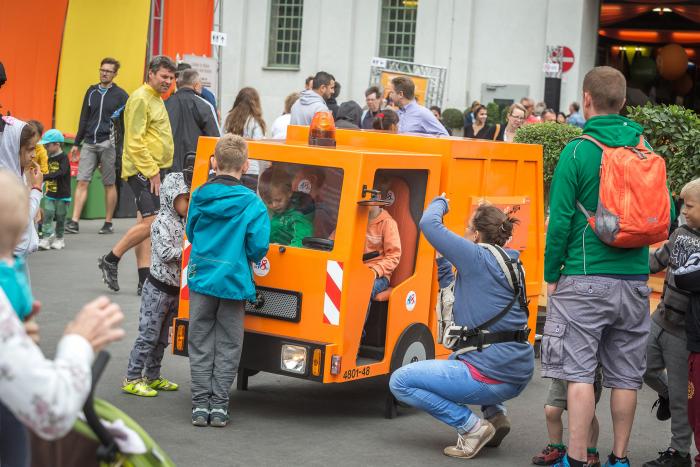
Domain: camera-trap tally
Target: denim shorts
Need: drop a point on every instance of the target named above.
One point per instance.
(592, 319)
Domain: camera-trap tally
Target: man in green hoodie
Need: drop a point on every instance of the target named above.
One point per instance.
(598, 298)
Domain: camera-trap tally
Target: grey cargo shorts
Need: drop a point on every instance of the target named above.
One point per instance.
(596, 318)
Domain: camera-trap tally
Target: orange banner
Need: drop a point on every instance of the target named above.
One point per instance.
(30, 50)
(187, 27)
(421, 83)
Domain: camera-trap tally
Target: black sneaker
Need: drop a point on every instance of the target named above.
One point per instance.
(109, 273)
(106, 228)
(670, 458)
(72, 227)
(663, 412)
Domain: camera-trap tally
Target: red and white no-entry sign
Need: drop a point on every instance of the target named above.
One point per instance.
(566, 59)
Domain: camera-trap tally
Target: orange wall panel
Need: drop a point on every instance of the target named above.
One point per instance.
(187, 27)
(32, 32)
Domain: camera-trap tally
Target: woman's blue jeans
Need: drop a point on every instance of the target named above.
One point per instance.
(443, 388)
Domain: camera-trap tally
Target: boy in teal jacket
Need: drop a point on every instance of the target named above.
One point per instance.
(229, 228)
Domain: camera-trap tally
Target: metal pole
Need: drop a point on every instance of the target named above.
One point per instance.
(220, 50)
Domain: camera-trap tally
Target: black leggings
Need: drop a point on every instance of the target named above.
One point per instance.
(14, 440)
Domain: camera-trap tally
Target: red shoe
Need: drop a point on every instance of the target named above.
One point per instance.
(549, 455)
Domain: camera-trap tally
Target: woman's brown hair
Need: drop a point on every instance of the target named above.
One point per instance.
(494, 226)
(247, 105)
(28, 136)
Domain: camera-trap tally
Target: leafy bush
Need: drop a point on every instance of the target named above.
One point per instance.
(553, 137)
(494, 113)
(453, 118)
(674, 133)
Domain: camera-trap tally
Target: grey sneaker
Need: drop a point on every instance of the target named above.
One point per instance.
(218, 418)
(469, 444)
(106, 229)
(200, 416)
(72, 227)
(109, 273)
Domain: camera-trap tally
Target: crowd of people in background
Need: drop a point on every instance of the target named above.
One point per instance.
(154, 155)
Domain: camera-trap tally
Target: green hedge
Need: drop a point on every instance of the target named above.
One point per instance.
(453, 118)
(674, 133)
(553, 137)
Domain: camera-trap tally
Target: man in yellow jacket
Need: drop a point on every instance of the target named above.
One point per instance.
(148, 152)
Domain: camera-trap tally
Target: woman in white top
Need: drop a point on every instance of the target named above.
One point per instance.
(279, 126)
(516, 118)
(245, 119)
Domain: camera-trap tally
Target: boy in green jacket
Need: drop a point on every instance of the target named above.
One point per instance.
(598, 297)
(291, 212)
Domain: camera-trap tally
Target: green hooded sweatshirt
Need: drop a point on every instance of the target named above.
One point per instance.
(572, 248)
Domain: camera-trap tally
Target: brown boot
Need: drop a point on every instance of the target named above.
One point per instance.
(502, 425)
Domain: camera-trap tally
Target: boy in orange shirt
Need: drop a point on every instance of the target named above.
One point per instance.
(383, 238)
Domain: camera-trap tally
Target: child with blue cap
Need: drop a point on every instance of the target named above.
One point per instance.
(57, 186)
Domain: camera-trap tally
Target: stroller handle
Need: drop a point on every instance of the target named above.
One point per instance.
(98, 367)
(107, 451)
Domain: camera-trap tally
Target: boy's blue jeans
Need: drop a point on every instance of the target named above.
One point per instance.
(443, 388)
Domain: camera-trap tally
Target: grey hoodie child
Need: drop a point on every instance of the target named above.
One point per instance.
(306, 106)
(167, 232)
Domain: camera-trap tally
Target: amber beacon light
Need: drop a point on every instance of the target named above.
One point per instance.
(322, 130)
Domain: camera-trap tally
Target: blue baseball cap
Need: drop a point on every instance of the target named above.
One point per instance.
(52, 136)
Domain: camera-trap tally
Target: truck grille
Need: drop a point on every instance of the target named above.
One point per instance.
(276, 303)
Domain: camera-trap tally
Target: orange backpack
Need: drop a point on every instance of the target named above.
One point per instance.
(634, 207)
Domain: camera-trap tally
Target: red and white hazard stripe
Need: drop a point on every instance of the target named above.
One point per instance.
(184, 290)
(334, 290)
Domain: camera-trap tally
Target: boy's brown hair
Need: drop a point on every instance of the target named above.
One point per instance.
(230, 153)
(691, 190)
(607, 88)
(14, 210)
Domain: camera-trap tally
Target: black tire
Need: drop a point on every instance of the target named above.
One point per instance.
(415, 344)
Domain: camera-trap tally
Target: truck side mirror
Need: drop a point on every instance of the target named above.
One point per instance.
(374, 200)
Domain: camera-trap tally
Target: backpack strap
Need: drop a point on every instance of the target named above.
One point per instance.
(592, 140)
(504, 261)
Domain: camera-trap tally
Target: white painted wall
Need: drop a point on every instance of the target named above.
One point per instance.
(479, 41)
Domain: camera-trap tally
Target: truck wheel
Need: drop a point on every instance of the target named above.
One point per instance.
(415, 344)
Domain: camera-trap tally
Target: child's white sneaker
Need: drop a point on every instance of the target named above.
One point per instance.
(45, 243)
(58, 244)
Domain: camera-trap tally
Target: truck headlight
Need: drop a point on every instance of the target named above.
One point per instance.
(294, 358)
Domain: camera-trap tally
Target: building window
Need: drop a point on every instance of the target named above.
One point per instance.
(398, 34)
(285, 33)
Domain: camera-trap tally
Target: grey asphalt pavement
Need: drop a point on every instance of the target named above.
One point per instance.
(282, 420)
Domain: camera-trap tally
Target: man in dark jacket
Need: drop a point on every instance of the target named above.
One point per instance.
(349, 115)
(100, 102)
(190, 117)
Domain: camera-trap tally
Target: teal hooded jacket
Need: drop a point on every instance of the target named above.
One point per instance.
(229, 228)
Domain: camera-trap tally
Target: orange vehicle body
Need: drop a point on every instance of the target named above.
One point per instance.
(333, 287)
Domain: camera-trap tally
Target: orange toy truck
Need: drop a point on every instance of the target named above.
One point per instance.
(312, 296)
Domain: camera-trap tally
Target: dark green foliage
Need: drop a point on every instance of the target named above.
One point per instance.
(674, 133)
(553, 137)
(453, 118)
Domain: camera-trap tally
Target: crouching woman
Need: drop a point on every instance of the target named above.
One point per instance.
(494, 373)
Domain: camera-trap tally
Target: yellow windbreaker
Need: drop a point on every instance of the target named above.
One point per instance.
(148, 139)
(42, 158)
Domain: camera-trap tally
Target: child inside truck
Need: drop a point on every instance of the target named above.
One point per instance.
(291, 212)
(382, 239)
